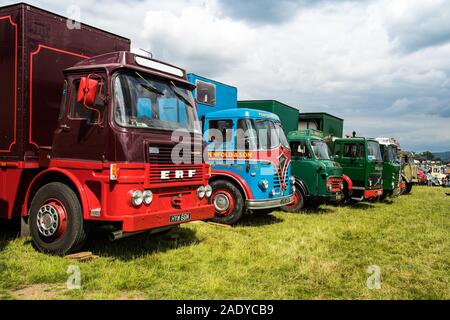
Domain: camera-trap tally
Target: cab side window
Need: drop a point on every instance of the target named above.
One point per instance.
(206, 93)
(220, 131)
(79, 112)
(300, 150)
(353, 150)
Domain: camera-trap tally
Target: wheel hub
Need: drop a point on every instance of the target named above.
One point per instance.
(221, 202)
(51, 219)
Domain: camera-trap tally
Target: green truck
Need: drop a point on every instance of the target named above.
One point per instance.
(361, 160)
(391, 166)
(318, 179)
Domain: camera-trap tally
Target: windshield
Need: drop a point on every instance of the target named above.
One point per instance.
(320, 150)
(373, 150)
(260, 134)
(143, 102)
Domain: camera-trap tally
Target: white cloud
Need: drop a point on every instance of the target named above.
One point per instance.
(382, 65)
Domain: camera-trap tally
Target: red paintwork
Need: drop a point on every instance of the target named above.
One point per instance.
(230, 198)
(82, 155)
(15, 81)
(238, 179)
(62, 216)
(296, 200)
(373, 193)
(348, 181)
(335, 184)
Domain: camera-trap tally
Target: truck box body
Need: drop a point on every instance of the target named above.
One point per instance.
(330, 125)
(212, 95)
(36, 46)
(288, 115)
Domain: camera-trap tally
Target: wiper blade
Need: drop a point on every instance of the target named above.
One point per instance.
(147, 85)
(179, 94)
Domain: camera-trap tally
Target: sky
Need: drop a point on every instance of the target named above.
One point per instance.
(381, 65)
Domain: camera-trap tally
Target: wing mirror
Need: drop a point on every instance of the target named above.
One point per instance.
(87, 92)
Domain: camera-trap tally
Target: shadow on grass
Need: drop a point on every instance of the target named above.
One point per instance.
(256, 220)
(318, 210)
(361, 205)
(9, 230)
(139, 245)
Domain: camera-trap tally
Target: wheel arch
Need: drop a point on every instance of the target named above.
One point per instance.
(55, 175)
(348, 181)
(236, 180)
(299, 183)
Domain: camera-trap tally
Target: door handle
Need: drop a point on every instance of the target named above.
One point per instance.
(64, 127)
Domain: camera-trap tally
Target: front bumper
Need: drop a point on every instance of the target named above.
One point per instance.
(338, 196)
(269, 203)
(373, 193)
(147, 221)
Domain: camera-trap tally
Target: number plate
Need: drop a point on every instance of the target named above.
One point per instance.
(285, 200)
(338, 196)
(180, 217)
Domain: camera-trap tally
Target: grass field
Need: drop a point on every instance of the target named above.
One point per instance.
(324, 254)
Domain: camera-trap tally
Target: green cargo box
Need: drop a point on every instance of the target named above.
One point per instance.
(288, 115)
(330, 125)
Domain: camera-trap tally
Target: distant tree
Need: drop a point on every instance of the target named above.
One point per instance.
(427, 155)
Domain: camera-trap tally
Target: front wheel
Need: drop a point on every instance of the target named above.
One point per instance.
(228, 202)
(298, 204)
(56, 220)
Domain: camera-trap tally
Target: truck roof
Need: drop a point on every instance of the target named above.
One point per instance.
(307, 115)
(354, 139)
(46, 12)
(309, 134)
(242, 113)
(125, 59)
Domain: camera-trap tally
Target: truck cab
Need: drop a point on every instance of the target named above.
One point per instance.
(318, 179)
(248, 152)
(362, 162)
(409, 172)
(391, 166)
(98, 136)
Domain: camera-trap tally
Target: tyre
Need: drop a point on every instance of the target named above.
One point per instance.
(408, 188)
(298, 204)
(228, 202)
(56, 220)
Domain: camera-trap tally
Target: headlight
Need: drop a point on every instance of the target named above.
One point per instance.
(342, 186)
(263, 184)
(201, 192)
(148, 197)
(137, 198)
(292, 178)
(208, 190)
(330, 187)
(294, 189)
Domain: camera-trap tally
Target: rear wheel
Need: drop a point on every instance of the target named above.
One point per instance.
(298, 204)
(228, 202)
(56, 220)
(408, 189)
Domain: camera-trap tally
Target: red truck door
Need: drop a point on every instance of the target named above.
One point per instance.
(80, 135)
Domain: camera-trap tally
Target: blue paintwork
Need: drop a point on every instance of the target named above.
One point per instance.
(226, 108)
(226, 96)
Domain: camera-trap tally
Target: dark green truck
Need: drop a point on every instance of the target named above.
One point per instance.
(318, 179)
(391, 166)
(361, 160)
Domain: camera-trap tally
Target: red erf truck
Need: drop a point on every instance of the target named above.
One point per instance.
(85, 134)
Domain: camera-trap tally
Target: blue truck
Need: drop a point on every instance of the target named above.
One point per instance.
(248, 151)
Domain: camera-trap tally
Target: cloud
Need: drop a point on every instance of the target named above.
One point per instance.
(414, 24)
(382, 65)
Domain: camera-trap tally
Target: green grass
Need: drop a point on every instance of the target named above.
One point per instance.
(320, 255)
